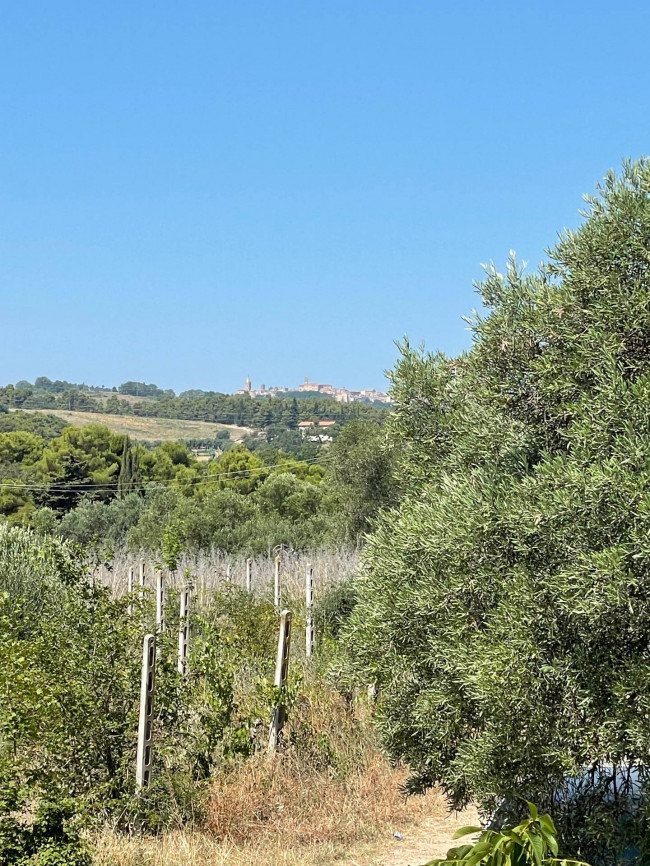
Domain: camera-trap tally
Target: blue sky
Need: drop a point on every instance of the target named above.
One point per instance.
(191, 192)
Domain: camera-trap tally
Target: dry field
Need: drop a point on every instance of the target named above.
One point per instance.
(147, 429)
(269, 816)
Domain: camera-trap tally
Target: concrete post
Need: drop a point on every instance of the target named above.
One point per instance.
(309, 608)
(142, 579)
(276, 584)
(184, 631)
(228, 573)
(144, 757)
(160, 602)
(281, 669)
(129, 589)
(249, 575)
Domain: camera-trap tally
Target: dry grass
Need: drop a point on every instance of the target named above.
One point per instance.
(331, 796)
(147, 429)
(269, 802)
(263, 813)
(200, 849)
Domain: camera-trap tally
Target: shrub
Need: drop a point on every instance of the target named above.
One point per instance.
(505, 607)
(533, 842)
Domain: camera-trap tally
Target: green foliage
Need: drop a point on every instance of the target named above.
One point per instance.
(80, 459)
(505, 607)
(140, 389)
(533, 842)
(361, 477)
(334, 607)
(69, 693)
(104, 491)
(68, 680)
(238, 469)
(52, 839)
(47, 426)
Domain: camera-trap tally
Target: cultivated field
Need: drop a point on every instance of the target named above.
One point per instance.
(147, 429)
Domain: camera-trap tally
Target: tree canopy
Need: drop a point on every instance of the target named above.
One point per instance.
(505, 607)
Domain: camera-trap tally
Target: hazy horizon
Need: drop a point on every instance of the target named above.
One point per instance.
(193, 194)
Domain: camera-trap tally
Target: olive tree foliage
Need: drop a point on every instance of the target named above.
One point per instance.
(361, 478)
(504, 611)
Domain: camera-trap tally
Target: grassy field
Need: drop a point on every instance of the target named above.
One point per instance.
(148, 429)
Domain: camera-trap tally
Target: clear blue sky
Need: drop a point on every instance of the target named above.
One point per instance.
(190, 192)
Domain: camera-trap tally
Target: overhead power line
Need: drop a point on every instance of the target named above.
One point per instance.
(161, 484)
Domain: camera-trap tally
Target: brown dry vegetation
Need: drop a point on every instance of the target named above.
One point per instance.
(273, 812)
(147, 429)
(330, 796)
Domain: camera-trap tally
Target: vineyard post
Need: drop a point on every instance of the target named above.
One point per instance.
(129, 589)
(276, 584)
(281, 669)
(249, 575)
(309, 605)
(142, 579)
(160, 602)
(184, 631)
(144, 758)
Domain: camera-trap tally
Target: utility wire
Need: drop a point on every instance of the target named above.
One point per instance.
(161, 484)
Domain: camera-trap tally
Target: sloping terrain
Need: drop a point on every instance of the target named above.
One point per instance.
(147, 429)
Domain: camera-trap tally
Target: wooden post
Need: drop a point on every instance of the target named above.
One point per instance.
(228, 571)
(144, 757)
(129, 589)
(276, 584)
(249, 575)
(160, 602)
(184, 631)
(281, 669)
(309, 607)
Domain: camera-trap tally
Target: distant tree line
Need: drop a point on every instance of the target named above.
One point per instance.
(235, 409)
(105, 491)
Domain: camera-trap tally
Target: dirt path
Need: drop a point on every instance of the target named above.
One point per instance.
(421, 843)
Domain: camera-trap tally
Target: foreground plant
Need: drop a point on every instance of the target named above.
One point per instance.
(534, 841)
(505, 604)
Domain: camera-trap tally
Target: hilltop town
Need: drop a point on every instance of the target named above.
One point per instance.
(342, 395)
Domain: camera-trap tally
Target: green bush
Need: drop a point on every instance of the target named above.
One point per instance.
(504, 612)
(533, 842)
(70, 660)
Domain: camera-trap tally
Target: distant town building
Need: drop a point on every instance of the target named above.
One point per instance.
(309, 431)
(342, 395)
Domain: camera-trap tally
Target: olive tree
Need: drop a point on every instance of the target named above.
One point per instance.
(504, 611)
